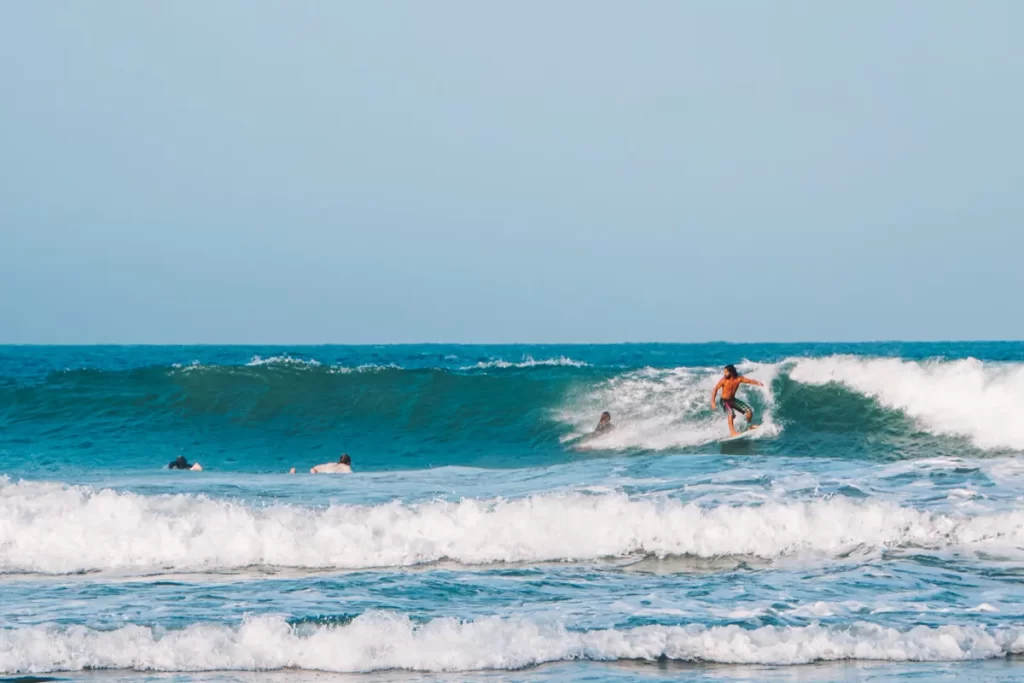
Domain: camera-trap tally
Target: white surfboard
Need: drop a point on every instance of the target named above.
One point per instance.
(742, 435)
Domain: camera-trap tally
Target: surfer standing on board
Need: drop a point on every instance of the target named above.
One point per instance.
(730, 382)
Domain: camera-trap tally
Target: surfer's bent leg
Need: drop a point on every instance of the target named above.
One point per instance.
(744, 408)
(729, 405)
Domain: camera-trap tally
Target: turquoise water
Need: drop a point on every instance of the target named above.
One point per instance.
(870, 530)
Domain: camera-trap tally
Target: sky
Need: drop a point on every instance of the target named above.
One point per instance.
(339, 172)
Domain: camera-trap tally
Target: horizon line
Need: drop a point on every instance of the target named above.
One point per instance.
(515, 343)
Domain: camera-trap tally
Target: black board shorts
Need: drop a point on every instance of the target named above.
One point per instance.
(731, 406)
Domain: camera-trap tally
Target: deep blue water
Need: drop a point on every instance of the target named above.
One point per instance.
(872, 528)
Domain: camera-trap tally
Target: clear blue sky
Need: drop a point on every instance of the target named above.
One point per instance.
(246, 171)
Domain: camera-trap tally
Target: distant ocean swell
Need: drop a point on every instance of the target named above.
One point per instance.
(552, 401)
(379, 641)
(55, 529)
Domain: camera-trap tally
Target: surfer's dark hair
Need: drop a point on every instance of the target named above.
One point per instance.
(731, 369)
(345, 459)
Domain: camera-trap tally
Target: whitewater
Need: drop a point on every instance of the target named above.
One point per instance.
(104, 529)
(875, 519)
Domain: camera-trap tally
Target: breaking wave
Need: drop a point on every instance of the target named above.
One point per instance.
(378, 641)
(500, 412)
(969, 398)
(52, 528)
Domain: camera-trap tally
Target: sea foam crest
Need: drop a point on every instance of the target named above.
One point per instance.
(283, 360)
(286, 361)
(379, 641)
(51, 528)
(969, 398)
(529, 362)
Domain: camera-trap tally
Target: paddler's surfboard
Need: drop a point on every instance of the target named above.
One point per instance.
(742, 435)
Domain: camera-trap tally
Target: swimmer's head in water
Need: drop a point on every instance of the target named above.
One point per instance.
(730, 371)
(606, 416)
(344, 459)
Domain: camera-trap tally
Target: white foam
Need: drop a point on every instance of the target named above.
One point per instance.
(373, 367)
(283, 360)
(664, 408)
(980, 401)
(52, 528)
(529, 362)
(379, 641)
(815, 609)
(312, 364)
(983, 607)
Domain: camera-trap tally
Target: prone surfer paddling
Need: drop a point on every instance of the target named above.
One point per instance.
(180, 463)
(730, 382)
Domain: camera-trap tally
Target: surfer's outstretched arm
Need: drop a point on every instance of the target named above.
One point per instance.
(747, 380)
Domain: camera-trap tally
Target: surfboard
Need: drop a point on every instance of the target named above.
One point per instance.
(742, 435)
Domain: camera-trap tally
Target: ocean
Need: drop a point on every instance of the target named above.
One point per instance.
(871, 530)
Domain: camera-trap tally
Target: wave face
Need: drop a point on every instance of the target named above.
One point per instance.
(267, 409)
(382, 641)
(965, 398)
(50, 528)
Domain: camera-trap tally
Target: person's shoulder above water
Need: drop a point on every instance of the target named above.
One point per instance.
(604, 424)
(180, 463)
(343, 466)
